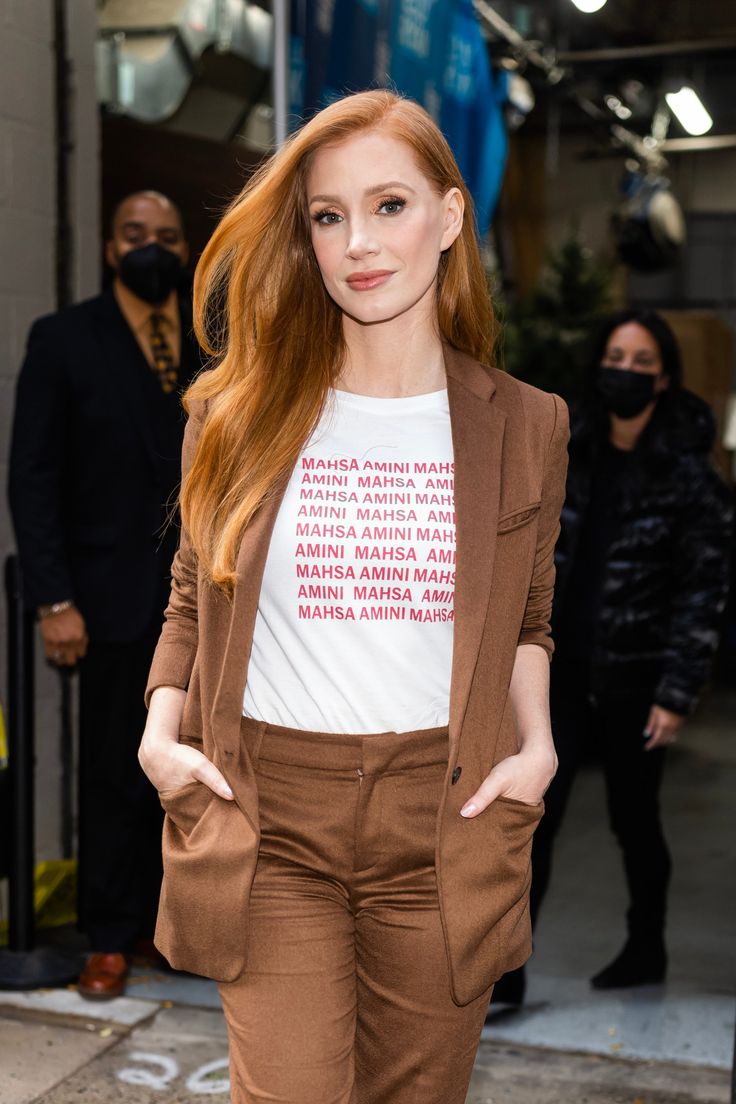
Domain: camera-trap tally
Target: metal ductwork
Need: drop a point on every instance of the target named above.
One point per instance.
(199, 66)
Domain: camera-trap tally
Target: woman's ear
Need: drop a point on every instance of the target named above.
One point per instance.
(454, 213)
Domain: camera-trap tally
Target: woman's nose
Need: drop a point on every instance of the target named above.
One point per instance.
(361, 243)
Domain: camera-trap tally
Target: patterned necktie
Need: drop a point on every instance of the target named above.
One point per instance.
(163, 358)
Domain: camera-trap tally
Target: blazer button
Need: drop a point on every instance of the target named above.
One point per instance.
(456, 774)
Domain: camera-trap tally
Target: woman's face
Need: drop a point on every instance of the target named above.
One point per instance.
(378, 227)
(632, 348)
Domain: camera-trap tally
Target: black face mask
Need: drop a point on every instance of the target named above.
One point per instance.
(625, 393)
(151, 272)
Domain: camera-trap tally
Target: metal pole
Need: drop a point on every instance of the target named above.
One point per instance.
(67, 765)
(23, 966)
(281, 70)
(20, 762)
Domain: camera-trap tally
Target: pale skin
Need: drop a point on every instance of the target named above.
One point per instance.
(372, 211)
(141, 219)
(632, 348)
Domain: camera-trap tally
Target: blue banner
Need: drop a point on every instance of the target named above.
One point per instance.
(430, 50)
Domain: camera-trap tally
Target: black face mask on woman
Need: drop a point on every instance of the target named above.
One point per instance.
(151, 272)
(625, 393)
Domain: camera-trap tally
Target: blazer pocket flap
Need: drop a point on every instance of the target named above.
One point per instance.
(516, 518)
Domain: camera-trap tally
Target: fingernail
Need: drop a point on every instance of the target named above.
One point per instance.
(228, 792)
(468, 810)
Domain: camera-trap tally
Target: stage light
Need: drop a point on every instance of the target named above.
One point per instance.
(688, 107)
(589, 6)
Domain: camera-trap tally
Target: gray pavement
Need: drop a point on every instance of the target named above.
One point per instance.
(179, 1055)
(165, 1041)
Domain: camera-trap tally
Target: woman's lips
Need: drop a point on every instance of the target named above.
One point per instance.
(366, 281)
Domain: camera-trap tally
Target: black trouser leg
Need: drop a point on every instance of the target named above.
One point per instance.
(120, 815)
(633, 781)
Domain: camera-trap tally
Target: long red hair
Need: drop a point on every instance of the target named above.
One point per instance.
(275, 337)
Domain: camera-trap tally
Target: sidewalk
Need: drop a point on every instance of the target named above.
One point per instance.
(165, 1041)
(58, 1049)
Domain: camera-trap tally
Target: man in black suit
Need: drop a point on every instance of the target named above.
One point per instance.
(94, 471)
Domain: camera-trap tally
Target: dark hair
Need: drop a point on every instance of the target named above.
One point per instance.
(681, 420)
(669, 350)
(143, 193)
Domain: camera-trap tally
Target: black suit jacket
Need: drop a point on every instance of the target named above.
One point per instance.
(90, 491)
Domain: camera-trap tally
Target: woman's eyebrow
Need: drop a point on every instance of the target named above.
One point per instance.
(376, 189)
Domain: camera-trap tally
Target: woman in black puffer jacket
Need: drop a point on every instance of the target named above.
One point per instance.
(642, 580)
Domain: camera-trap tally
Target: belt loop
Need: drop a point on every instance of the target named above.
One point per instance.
(255, 750)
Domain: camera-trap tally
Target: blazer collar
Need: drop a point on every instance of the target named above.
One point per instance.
(470, 373)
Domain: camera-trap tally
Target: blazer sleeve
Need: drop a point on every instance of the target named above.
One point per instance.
(173, 659)
(38, 456)
(535, 628)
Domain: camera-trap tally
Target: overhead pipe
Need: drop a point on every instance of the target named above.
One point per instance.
(280, 10)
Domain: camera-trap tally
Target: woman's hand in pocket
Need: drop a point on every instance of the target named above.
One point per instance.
(168, 764)
(522, 777)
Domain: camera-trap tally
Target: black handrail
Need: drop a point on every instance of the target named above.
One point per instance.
(23, 966)
(20, 761)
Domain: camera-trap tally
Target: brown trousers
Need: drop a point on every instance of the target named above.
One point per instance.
(345, 998)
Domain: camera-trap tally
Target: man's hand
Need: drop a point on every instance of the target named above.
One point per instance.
(64, 637)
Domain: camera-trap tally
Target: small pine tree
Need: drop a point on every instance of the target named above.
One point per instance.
(547, 337)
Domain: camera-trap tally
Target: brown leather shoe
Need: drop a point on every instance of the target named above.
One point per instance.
(103, 977)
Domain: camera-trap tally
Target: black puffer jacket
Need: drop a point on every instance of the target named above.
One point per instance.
(665, 581)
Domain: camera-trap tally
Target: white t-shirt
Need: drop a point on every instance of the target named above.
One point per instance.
(355, 617)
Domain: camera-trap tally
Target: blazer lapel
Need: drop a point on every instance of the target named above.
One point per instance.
(477, 433)
(121, 358)
(191, 359)
(251, 562)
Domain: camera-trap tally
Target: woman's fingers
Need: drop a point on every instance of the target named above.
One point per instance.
(487, 792)
(208, 773)
(660, 737)
(522, 777)
(170, 765)
(661, 728)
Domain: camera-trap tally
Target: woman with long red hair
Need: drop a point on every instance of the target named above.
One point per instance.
(348, 707)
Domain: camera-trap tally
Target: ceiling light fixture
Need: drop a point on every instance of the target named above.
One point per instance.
(589, 6)
(687, 106)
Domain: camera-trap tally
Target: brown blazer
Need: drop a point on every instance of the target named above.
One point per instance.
(510, 463)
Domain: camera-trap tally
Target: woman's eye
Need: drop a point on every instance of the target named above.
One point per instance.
(391, 206)
(327, 218)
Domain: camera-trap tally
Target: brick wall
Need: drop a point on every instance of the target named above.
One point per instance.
(27, 266)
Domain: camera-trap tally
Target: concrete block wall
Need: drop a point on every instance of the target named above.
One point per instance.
(27, 269)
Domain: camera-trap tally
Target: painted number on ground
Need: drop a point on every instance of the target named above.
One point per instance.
(160, 1071)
